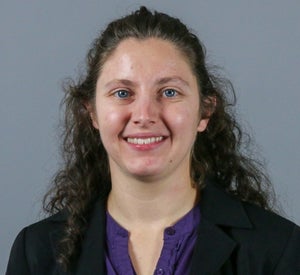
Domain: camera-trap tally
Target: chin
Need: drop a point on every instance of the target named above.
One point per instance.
(145, 174)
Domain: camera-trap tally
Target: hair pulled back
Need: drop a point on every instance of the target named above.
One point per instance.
(217, 152)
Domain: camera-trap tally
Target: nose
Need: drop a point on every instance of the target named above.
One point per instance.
(145, 111)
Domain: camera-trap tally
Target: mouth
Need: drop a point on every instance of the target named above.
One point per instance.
(142, 141)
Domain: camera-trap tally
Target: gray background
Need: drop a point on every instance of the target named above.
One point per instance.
(42, 42)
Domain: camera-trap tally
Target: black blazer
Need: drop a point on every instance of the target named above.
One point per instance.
(234, 238)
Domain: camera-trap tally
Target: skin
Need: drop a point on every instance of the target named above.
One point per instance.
(147, 111)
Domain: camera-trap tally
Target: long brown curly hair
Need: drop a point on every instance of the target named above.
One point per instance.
(218, 152)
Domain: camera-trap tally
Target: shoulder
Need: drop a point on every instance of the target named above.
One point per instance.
(263, 240)
(48, 224)
(224, 209)
(272, 239)
(264, 220)
(268, 228)
(43, 232)
(33, 248)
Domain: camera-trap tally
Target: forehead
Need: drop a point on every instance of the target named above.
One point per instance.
(149, 56)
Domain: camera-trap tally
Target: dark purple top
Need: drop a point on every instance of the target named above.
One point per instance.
(176, 254)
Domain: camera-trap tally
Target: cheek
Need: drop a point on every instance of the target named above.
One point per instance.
(184, 118)
(110, 121)
(111, 118)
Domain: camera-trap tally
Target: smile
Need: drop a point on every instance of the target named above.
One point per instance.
(141, 141)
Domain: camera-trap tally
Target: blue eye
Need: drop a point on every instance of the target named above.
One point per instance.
(122, 94)
(170, 93)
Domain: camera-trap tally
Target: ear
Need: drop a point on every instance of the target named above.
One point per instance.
(91, 110)
(209, 105)
(202, 124)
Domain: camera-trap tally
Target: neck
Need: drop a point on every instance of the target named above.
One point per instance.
(159, 203)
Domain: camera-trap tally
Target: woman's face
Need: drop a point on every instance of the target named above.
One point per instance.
(147, 109)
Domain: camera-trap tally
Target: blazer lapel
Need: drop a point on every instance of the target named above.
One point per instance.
(92, 258)
(212, 249)
(214, 246)
(55, 237)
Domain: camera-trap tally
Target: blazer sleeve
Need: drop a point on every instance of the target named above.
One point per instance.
(289, 263)
(17, 264)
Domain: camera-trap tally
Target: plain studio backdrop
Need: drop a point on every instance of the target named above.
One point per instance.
(42, 42)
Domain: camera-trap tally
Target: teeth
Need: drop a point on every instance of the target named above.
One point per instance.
(142, 141)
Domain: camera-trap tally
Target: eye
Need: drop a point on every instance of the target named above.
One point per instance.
(122, 94)
(170, 93)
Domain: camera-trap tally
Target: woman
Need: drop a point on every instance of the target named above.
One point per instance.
(155, 180)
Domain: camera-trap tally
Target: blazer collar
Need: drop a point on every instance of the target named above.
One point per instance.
(222, 209)
(213, 247)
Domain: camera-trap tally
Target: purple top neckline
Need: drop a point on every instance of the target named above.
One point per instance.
(176, 254)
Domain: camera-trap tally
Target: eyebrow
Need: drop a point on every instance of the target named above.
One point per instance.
(125, 82)
(160, 81)
(166, 80)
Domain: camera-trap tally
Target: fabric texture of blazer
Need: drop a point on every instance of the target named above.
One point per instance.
(234, 237)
